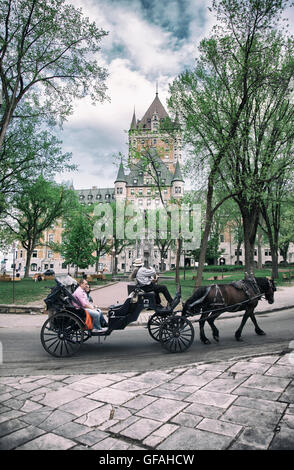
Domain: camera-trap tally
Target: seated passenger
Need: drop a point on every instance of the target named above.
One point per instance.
(81, 295)
(146, 278)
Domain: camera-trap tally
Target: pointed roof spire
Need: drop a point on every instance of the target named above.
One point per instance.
(178, 174)
(134, 121)
(121, 177)
(155, 107)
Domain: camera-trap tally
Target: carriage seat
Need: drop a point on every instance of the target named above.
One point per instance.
(148, 297)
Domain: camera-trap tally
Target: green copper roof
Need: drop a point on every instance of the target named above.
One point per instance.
(121, 174)
(177, 174)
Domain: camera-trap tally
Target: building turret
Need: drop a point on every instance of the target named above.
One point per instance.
(120, 183)
(178, 182)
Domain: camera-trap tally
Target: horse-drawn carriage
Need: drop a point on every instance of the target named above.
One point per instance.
(66, 328)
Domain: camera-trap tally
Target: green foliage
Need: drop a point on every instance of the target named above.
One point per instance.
(236, 110)
(77, 240)
(35, 208)
(48, 57)
(28, 152)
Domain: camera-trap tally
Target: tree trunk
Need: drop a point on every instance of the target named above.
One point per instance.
(28, 263)
(204, 241)
(259, 252)
(250, 224)
(97, 261)
(238, 252)
(178, 257)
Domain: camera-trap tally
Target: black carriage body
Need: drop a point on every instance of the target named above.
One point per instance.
(120, 316)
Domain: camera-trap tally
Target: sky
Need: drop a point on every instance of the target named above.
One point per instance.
(149, 41)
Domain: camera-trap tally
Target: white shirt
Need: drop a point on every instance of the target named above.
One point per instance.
(145, 275)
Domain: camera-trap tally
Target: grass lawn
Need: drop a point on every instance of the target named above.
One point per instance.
(27, 290)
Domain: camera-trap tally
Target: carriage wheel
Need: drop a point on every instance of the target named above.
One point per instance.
(154, 324)
(176, 334)
(62, 335)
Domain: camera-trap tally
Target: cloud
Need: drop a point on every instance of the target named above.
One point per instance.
(148, 41)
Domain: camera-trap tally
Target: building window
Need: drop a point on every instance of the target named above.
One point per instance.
(98, 196)
(35, 254)
(238, 252)
(135, 181)
(34, 267)
(222, 238)
(90, 197)
(267, 253)
(51, 238)
(119, 190)
(50, 254)
(132, 191)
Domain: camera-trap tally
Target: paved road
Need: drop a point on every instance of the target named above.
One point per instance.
(133, 349)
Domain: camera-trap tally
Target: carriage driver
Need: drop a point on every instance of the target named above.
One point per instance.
(146, 278)
(81, 295)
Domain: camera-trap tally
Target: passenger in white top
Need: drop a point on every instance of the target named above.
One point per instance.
(146, 278)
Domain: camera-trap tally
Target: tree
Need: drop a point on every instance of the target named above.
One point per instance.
(286, 235)
(34, 209)
(77, 243)
(101, 244)
(277, 205)
(27, 151)
(231, 105)
(47, 58)
(109, 229)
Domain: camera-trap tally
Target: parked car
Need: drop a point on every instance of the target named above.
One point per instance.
(49, 272)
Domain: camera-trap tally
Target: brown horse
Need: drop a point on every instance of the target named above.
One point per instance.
(212, 301)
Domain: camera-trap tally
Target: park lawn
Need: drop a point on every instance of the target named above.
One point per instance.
(27, 290)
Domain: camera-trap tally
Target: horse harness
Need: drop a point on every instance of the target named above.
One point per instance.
(248, 285)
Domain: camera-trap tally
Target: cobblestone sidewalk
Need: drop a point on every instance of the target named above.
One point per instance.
(244, 404)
